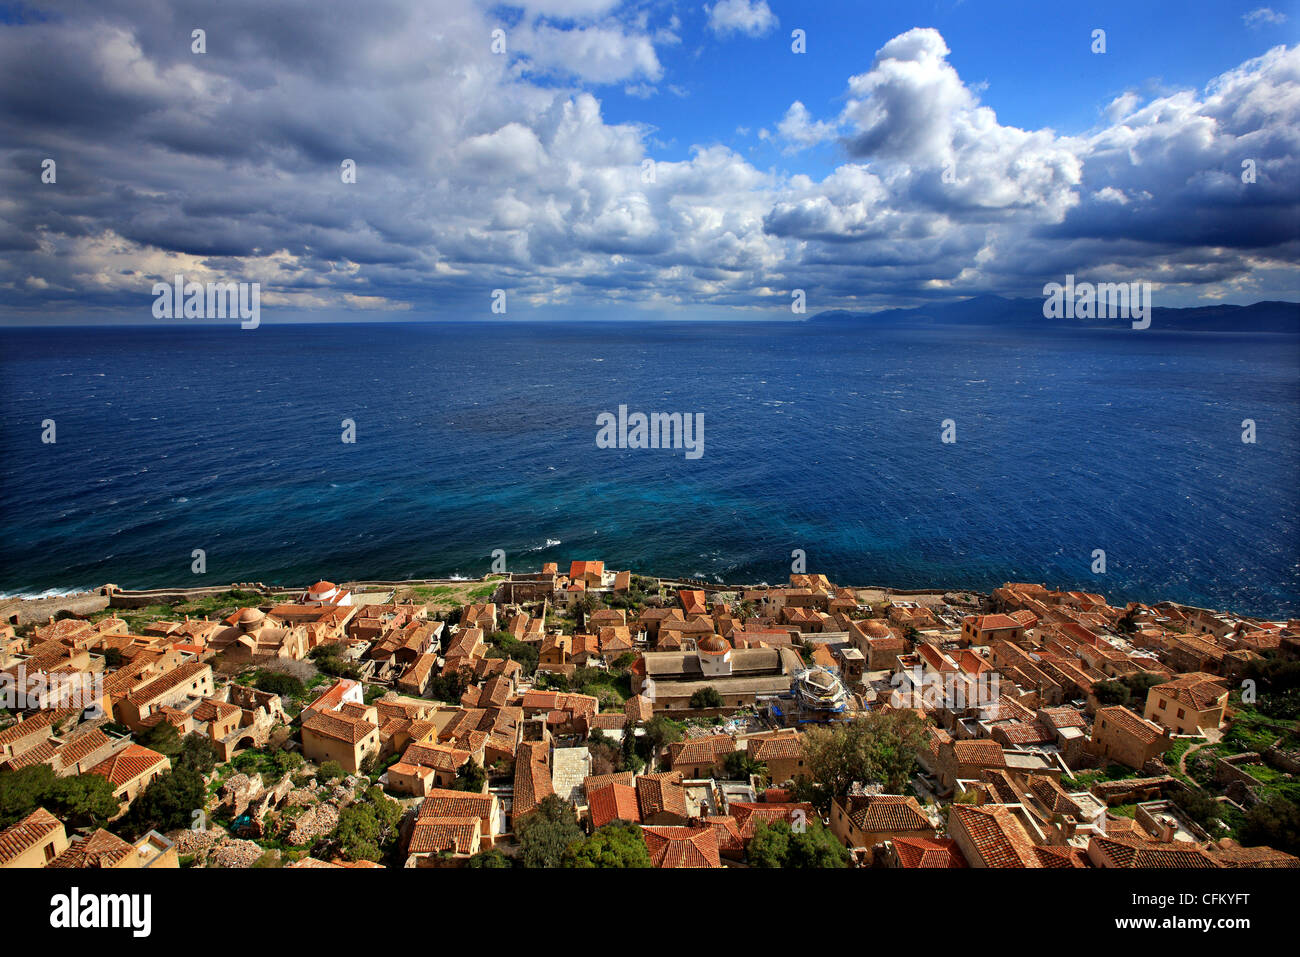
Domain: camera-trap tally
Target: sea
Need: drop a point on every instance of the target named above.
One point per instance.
(1106, 460)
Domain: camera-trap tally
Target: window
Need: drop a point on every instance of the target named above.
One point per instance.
(49, 851)
(1182, 713)
(1162, 704)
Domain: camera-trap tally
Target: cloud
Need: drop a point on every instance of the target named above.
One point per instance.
(753, 18)
(600, 54)
(799, 130)
(478, 171)
(1262, 16)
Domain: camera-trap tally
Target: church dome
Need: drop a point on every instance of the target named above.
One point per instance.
(713, 645)
(250, 616)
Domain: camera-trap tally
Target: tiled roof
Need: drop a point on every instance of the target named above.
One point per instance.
(333, 725)
(43, 753)
(1196, 690)
(981, 752)
(887, 812)
(749, 815)
(1229, 855)
(990, 622)
(444, 802)
(101, 849)
(726, 831)
(1060, 857)
(532, 776)
(928, 852)
(165, 683)
(682, 846)
(661, 793)
(1026, 732)
(1124, 851)
(613, 802)
(126, 765)
(1124, 720)
(436, 756)
(1064, 717)
(31, 725)
(432, 835)
(996, 835)
(26, 834)
(595, 781)
(703, 750)
(775, 747)
(84, 744)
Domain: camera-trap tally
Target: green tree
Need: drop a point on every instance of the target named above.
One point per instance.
(286, 686)
(83, 800)
(659, 733)
(287, 762)
(1198, 806)
(546, 833)
(492, 858)
(470, 777)
(1139, 683)
(878, 747)
(1110, 693)
(367, 829)
(770, 845)
(738, 766)
(1274, 822)
(450, 687)
(506, 645)
(779, 845)
(330, 771)
(163, 738)
(198, 753)
(23, 791)
(706, 698)
(618, 844)
(627, 745)
(169, 802)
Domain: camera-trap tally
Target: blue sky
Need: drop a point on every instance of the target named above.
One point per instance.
(1035, 58)
(915, 152)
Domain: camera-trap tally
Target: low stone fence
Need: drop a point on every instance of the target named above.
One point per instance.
(1228, 770)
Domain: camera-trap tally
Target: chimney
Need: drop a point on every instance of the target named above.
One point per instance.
(1166, 828)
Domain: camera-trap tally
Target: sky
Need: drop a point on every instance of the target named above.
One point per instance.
(643, 159)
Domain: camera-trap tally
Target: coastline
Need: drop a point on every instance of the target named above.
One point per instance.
(39, 607)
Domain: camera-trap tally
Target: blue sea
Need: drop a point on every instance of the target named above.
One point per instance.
(478, 436)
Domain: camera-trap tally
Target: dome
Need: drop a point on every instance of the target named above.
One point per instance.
(713, 645)
(322, 588)
(250, 616)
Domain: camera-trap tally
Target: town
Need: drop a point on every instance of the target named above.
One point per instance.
(592, 717)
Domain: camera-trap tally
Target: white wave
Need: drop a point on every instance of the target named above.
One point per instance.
(48, 593)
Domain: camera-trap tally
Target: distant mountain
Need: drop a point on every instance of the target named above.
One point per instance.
(1277, 317)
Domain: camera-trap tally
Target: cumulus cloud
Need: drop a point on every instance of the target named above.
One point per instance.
(603, 53)
(799, 130)
(753, 18)
(475, 171)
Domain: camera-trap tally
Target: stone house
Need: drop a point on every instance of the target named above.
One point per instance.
(1120, 735)
(868, 820)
